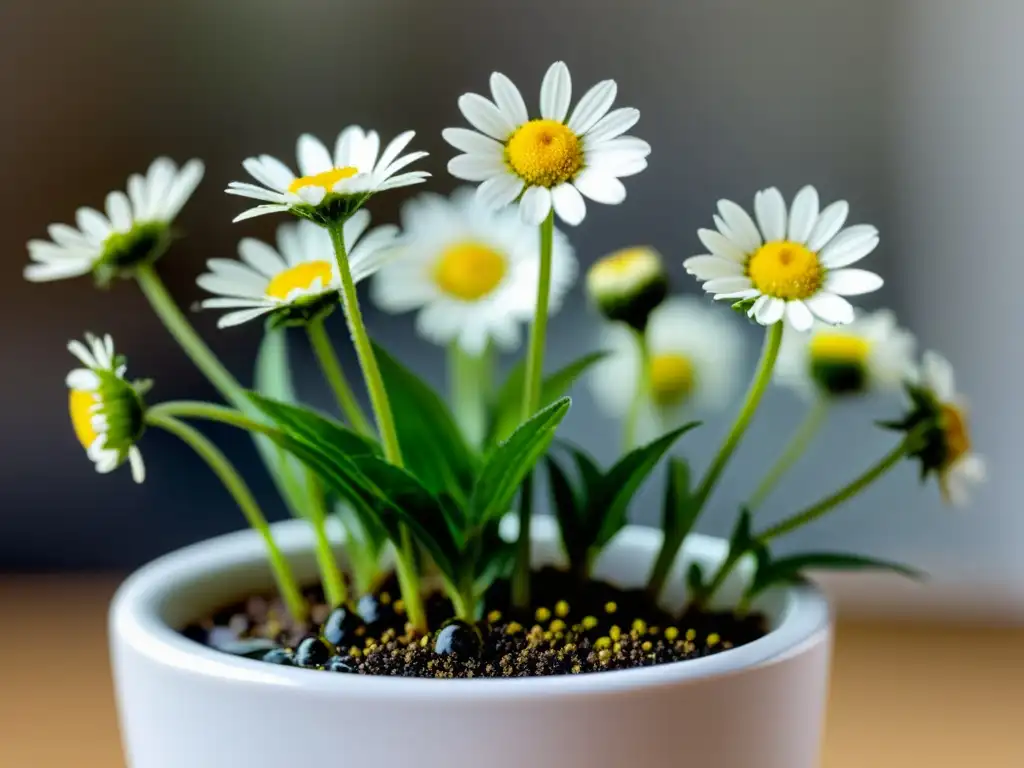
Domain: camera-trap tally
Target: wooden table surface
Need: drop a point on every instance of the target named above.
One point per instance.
(903, 696)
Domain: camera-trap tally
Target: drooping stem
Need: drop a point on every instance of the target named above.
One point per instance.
(183, 332)
(282, 571)
(762, 376)
(195, 409)
(333, 581)
(470, 379)
(405, 563)
(642, 385)
(794, 450)
(531, 402)
(331, 367)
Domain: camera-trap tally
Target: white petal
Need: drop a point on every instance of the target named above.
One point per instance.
(712, 267)
(771, 311)
(627, 144)
(404, 180)
(568, 204)
(395, 148)
(746, 293)
(721, 246)
(485, 117)
(236, 272)
(158, 181)
(852, 282)
(476, 167)
(614, 124)
(226, 287)
(181, 190)
(535, 205)
(279, 173)
(82, 379)
(137, 195)
(354, 228)
(44, 273)
(850, 245)
(556, 92)
(770, 209)
(93, 225)
(344, 146)
(832, 309)
(253, 192)
(592, 107)
(499, 191)
(239, 303)
(312, 194)
(803, 215)
(799, 316)
(744, 231)
(242, 316)
(471, 142)
(119, 211)
(758, 305)
(617, 165)
(938, 375)
(261, 257)
(259, 210)
(829, 222)
(364, 153)
(83, 353)
(509, 99)
(727, 284)
(136, 464)
(384, 172)
(600, 187)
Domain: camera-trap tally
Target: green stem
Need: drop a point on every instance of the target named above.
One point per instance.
(470, 381)
(183, 332)
(794, 450)
(763, 375)
(642, 384)
(282, 571)
(405, 567)
(331, 367)
(333, 581)
(195, 409)
(531, 403)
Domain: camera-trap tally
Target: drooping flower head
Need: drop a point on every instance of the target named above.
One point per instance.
(790, 264)
(554, 160)
(107, 411)
(298, 281)
(871, 354)
(693, 363)
(470, 271)
(627, 285)
(329, 187)
(135, 230)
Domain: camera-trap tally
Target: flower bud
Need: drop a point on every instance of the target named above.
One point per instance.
(628, 284)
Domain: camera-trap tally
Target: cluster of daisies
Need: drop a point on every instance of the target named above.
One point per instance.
(469, 266)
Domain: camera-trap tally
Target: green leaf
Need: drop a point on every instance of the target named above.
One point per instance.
(623, 480)
(312, 427)
(695, 579)
(790, 569)
(511, 461)
(509, 402)
(741, 540)
(589, 471)
(568, 511)
(433, 447)
(678, 512)
(495, 560)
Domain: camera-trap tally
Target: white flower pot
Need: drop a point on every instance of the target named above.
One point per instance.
(183, 705)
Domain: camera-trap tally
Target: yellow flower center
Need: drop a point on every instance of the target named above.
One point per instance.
(839, 348)
(469, 271)
(786, 270)
(671, 378)
(80, 404)
(954, 426)
(326, 179)
(544, 153)
(300, 276)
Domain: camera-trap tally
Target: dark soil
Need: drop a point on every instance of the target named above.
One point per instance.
(595, 628)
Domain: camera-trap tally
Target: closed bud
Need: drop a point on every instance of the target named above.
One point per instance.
(628, 284)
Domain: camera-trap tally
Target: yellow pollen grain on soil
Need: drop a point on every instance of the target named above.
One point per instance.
(544, 153)
(839, 348)
(325, 179)
(671, 378)
(786, 270)
(301, 276)
(80, 404)
(956, 433)
(469, 270)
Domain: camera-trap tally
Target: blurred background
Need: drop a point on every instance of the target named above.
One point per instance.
(911, 110)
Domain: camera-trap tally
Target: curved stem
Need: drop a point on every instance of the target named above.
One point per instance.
(196, 409)
(531, 402)
(405, 567)
(642, 384)
(763, 375)
(183, 332)
(221, 467)
(331, 367)
(793, 451)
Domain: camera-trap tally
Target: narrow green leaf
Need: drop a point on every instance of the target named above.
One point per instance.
(433, 447)
(623, 480)
(312, 427)
(567, 508)
(790, 569)
(509, 402)
(678, 512)
(695, 579)
(741, 540)
(511, 461)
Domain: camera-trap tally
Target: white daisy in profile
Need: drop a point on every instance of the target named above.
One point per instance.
(329, 187)
(470, 271)
(941, 413)
(790, 264)
(136, 228)
(693, 363)
(299, 280)
(106, 410)
(870, 354)
(552, 161)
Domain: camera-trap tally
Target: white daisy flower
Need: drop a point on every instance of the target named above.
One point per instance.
(553, 161)
(470, 271)
(628, 284)
(946, 450)
(329, 187)
(693, 362)
(106, 410)
(299, 280)
(135, 230)
(871, 354)
(789, 264)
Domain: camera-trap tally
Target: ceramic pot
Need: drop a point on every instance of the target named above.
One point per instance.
(183, 705)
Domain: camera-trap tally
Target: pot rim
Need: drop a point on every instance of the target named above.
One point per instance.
(136, 619)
